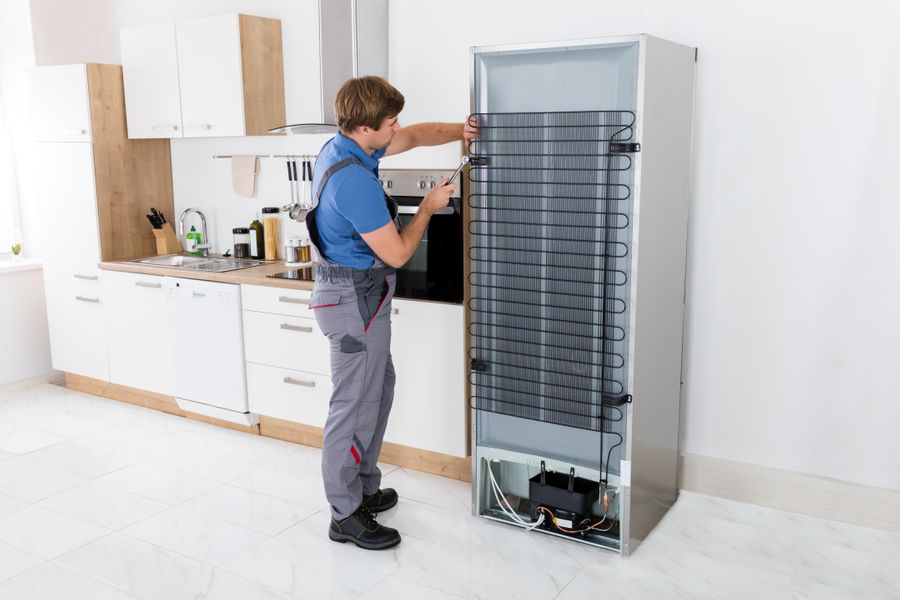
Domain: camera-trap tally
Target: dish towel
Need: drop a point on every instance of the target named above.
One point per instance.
(243, 175)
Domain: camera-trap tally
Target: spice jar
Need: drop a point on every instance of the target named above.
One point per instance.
(305, 252)
(241, 242)
(270, 231)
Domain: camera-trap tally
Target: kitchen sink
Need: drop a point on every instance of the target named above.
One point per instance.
(213, 264)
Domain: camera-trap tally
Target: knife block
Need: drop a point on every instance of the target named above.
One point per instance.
(166, 240)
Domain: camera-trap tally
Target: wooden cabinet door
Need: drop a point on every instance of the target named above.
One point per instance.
(209, 67)
(59, 104)
(137, 327)
(150, 71)
(429, 410)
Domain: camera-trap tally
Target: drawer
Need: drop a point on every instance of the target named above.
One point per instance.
(290, 395)
(279, 301)
(288, 342)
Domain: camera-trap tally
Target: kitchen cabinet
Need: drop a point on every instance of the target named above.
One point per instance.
(288, 367)
(91, 191)
(135, 311)
(210, 77)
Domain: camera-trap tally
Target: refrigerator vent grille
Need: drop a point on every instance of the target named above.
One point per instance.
(550, 215)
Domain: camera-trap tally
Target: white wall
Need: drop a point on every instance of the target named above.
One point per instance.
(74, 31)
(790, 351)
(24, 341)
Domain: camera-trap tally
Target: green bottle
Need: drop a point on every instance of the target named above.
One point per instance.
(257, 245)
(193, 238)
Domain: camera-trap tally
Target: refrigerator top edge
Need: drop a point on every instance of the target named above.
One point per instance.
(611, 40)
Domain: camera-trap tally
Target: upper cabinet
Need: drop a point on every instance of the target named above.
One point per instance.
(211, 77)
(59, 101)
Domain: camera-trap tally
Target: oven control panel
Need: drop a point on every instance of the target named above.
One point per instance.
(414, 182)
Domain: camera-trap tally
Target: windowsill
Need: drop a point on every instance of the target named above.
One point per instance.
(8, 265)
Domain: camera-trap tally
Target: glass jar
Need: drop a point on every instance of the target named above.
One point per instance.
(241, 242)
(270, 231)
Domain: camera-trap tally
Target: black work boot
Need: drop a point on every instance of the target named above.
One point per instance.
(380, 501)
(362, 529)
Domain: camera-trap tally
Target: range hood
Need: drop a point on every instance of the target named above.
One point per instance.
(353, 42)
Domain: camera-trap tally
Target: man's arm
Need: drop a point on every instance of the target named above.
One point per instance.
(431, 134)
(396, 247)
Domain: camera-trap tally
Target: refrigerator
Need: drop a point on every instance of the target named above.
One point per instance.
(576, 212)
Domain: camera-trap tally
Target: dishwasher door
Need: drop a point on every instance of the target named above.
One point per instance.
(207, 343)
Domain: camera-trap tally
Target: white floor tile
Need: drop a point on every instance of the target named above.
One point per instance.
(46, 533)
(8, 504)
(29, 480)
(196, 536)
(158, 483)
(51, 581)
(141, 569)
(217, 468)
(20, 439)
(334, 571)
(14, 561)
(103, 505)
(282, 482)
(393, 587)
(219, 585)
(430, 489)
(262, 513)
(4, 454)
(88, 458)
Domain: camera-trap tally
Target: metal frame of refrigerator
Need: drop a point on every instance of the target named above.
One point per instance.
(653, 79)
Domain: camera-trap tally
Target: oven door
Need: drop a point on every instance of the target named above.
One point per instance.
(435, 270)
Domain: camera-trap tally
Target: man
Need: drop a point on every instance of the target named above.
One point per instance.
(355, 232)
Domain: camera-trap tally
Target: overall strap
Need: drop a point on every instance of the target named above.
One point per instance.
(331, 171)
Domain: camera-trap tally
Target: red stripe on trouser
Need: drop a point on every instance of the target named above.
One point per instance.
(380, 304)
(355, 454)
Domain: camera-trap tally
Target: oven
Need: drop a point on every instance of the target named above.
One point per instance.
(435, 271)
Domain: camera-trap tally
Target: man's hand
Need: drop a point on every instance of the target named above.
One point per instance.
(438, 197)
(470, 130)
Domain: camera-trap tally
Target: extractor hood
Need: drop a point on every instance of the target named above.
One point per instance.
(353, 42)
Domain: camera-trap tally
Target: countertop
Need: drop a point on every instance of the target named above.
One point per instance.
(251, 276)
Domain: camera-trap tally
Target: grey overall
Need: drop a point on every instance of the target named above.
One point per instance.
(353, 309)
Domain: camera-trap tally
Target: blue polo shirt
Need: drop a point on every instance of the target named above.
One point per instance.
(351, 203)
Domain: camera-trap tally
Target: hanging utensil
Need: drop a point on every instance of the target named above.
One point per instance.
(292, 174)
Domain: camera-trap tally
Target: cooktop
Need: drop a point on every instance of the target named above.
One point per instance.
(304, 274)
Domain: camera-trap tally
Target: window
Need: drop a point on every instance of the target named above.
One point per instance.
(9, 197)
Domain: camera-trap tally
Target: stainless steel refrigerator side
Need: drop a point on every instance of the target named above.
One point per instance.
(473, 416)
(665, 109)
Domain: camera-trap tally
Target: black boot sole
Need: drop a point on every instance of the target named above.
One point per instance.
(341, 538)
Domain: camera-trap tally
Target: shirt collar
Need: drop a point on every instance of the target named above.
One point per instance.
(345, 144)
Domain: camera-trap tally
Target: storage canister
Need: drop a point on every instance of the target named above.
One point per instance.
(270, 231)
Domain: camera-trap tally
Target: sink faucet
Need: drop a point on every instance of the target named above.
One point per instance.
(205, 246)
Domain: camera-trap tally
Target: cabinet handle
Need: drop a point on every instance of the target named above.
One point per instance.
(73, 131)
(145, 284)
(164, 128)
(293, 381)
(395, 311)
(82, 276)
(202, 126)
(199, 295)
(86, 299)
(290, 300)
(290, 327)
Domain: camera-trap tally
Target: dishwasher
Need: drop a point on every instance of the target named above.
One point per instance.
(207, 343)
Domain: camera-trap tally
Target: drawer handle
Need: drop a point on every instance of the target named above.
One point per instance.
(290, 300)
(290, 327)
(82, 276)
(73, 131)
(395, 311)
(86, 299)
(164, 128)
(293, 381)
(145, 284)
(199, 295)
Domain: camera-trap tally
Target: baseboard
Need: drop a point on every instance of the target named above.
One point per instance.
(791, 491)
(54, 377)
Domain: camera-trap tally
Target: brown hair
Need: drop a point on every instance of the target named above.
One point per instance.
(366, 101)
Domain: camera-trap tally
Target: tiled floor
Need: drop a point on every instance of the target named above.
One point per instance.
(105, 501)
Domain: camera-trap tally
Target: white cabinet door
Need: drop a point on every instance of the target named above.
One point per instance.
(209, 66)
(287, 342)
(59, 104)
(150, 71)
(137, 331)
(290, 395)
(77, 330)
(65, 193)
(427, 345)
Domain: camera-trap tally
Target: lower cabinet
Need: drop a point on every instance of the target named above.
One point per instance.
(137, 330)
(288, 367)
(75, 318)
